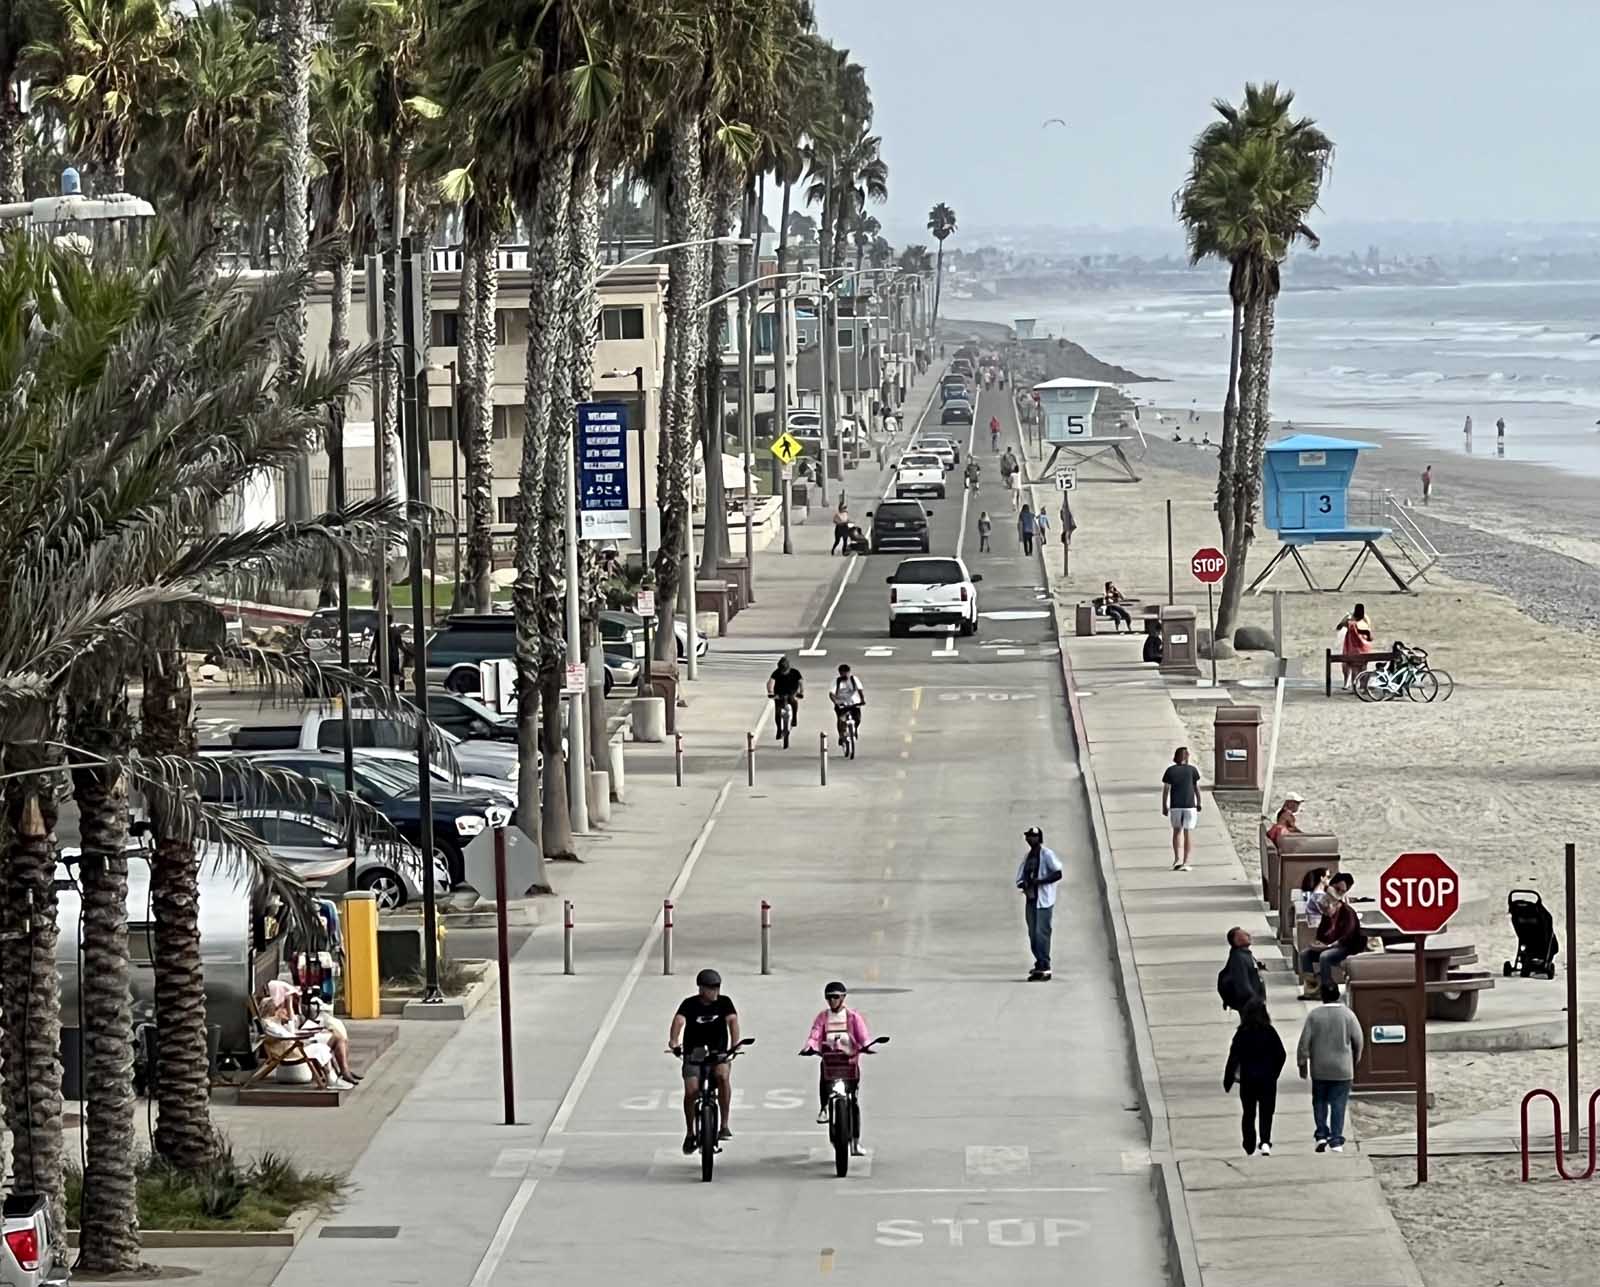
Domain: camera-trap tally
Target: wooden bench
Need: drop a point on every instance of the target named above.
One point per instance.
(1330, 658)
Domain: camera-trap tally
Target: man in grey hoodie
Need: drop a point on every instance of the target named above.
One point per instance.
(1330, 1048)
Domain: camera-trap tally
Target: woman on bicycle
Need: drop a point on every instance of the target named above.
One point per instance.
(839, 1034)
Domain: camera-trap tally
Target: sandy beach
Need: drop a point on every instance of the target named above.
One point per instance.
(1494, 779)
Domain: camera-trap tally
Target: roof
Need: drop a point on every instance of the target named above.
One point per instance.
(1067, 382)
(1317, 442)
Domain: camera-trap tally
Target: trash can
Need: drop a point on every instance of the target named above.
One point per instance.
(1179, 655)
(1383, 993)
(1085, 620)
(1238, 749)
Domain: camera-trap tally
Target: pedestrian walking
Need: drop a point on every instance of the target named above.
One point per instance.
(397, 655)
(1467, 428)
(1025, 528)
(1255, 1058)
(1329, 1050)
(841, 529)
(985, 526)
(1239, 981)
(1500, 429)
(1041, 526)
(1427, 483)
(1037, 877)
(1180, 804)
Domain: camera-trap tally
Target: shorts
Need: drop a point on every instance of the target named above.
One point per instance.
(1183, 819)
(692, 1063)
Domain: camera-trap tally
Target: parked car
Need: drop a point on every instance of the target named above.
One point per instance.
(933, 592)
(901, 524)
(321, 634)
(303, 840)
(956, 413)
(680, 631)
(919, 472)
(404, 764)
(322, 729)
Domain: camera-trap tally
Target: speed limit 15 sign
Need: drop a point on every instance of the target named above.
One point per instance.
(1209, 565)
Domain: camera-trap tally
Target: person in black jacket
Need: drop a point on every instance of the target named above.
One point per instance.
(1255, 1059)
(1239, 984)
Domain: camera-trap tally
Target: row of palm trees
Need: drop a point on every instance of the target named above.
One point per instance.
(150, 386)
(1255, 176)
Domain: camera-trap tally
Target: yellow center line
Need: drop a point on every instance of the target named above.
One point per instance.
(916, 700)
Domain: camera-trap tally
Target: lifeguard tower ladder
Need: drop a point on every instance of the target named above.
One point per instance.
(1307, 502)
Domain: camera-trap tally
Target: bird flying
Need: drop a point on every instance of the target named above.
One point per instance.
(1054, 120)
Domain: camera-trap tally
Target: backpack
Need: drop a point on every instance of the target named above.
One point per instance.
(1227, 990)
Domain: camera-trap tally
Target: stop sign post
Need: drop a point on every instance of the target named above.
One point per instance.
(1420, 892)
(1209, 566)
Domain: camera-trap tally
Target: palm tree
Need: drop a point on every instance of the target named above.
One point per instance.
(294, 128)
(1256, 174)
(98, 63)
(16, 19)
(941, 223)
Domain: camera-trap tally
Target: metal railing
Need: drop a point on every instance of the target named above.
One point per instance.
(1384, 509)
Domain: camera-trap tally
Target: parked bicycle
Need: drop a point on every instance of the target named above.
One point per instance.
(1409, 676)
(844, 1106)
(708, 1112)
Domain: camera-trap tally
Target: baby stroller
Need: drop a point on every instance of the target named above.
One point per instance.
(856, 542)
(1536, 935)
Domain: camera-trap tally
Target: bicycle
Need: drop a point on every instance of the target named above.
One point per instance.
(783, 716)
(1413, 678)
(848, 719)
(708, 1111)
(844, 1106)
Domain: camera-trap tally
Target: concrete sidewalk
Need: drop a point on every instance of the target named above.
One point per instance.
(1237, 1221)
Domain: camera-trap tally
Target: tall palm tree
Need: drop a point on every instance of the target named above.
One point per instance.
(16, 19)
(294, 127)
(941, 223)
(1256, 174)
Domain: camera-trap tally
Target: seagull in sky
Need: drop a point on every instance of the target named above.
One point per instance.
(1054, 120)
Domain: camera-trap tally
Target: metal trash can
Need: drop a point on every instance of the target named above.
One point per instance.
(1085, 620)
(1238, 749)
(1179, 655)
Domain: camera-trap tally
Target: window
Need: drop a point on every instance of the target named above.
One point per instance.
(446, 328)
(503, 317)
(508, 421)
(622, 323)
(288, 832)
(510, 511)
(929, 572)
(439, 424)
(847, 338)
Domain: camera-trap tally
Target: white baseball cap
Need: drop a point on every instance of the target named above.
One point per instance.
(1292, 798)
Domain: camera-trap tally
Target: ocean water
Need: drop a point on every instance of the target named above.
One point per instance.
(1410, 360)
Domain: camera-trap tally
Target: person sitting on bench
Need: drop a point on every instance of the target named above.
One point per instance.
(1339, 935)
(1114, 609)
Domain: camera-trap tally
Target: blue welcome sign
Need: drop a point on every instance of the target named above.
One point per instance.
(602, 447)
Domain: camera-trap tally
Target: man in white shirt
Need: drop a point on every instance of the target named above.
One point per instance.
(1037, 877)
(848, 699)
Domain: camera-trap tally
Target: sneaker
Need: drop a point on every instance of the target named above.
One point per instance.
(822, 1117)
(1266, 1150)
(1033, 976)
(1322, 1146)
(857, 1151)
(688, 1143)
(1044, 976)
(724, 1134)
(339, 1083)
(1185, 867)
(1336, 1148)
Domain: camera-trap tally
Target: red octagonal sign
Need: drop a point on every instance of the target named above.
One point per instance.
(1419, 893)
(1209, 565)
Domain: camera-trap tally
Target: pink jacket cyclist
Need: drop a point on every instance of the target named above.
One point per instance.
(849, 1030)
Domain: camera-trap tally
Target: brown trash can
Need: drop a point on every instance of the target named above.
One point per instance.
(1085, 622)
(664, 684)
(1238, 763)
(1383, 993)
(1179, 655)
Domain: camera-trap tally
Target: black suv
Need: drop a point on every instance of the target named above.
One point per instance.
(899, 524)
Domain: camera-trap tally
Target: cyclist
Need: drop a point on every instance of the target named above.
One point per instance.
(841, 1031)
(706, 1021)
(974, 469)
(848, 697)
(786, 684)
(994, 433)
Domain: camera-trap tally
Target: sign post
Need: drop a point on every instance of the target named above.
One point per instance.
(1420, 892)
(1209, 566)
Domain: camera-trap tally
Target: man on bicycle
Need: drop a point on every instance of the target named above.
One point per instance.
(706, 1022)
(840, 1034)
(848, 698)
(994, 433)
(785, 684)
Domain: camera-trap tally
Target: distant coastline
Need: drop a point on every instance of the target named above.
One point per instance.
(1059, 358)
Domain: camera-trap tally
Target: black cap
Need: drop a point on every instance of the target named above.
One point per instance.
(1031, 832)
(708, 979)
(834, 989)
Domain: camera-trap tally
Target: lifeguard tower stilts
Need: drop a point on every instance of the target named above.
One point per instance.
(1307, 502)
(1066, 409)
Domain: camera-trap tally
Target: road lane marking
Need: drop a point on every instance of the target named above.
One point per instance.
(878, 652)
(524, 1163)
(1015, 614)
(496, 1250)
(966, 492)
(916, 700)
(908, 739)
(1009, 652)
(852, 1191)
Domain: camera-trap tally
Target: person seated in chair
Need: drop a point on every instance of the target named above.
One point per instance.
(1339, 935)
(325, 1035)
(1113, 601)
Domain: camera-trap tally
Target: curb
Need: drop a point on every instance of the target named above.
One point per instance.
(294, 1229)
(1183, 1261)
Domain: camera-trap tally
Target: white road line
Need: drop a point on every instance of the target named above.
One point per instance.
(852, 1191)
(678, 1134)
(502, 1235)
(1009, 652)
(966, 492)
(850, 568)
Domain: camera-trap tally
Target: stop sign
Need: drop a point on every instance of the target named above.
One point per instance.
(1419, 893)
(1209, 565)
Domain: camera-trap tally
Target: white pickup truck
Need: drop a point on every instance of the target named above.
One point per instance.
(919, 472)
(936, 591)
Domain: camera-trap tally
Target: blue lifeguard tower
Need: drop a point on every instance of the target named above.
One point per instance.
(1307, 502)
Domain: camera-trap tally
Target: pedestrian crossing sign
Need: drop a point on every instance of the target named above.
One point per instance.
(788, 448)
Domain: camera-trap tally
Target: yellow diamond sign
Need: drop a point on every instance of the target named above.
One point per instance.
(788, 448)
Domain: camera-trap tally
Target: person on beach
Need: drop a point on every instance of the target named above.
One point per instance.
(1180, 805)
(1329, 1050)
(1041, 526)
(1025, 528)
(1339, 935)
(1255, 1058)
(1288, 817)
(841, 529)
(1239, 981)
(1467, 428)
(1037, 877)
(1114, 609)
(1427, 483)
(1500, 429)
(985, 526)
(1357, 638)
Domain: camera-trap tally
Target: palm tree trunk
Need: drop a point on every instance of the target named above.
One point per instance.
(714, 544)
(98, 724)
(461, 419)
(338, 346)
(13, 136)
(1242, 491)
(184, 1136)
(389, 372)
(30, 989)
(938, 289)
(828, 339)
(482, 263)
(554, 248)
(587, 185)
(685, 336)
(780, 322)
(294, 66)
(1230, 419)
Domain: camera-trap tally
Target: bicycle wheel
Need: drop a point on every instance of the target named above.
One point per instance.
(1423, 686)
(839, 1133)
(783, 724)
(708, 1137)
(1447, 685)
(1364, 686)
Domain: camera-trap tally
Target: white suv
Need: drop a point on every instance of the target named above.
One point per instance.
(935, 591)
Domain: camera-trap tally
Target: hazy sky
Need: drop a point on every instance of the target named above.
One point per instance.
(1440, 109)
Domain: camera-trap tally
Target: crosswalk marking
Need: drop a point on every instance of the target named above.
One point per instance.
(986, 1161)
(525, 1163)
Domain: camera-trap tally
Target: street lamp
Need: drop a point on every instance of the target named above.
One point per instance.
(672, 245)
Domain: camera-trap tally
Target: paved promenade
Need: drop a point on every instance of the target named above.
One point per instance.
(1237, 1221)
